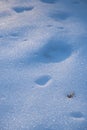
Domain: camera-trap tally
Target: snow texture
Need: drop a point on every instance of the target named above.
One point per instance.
(43, 65)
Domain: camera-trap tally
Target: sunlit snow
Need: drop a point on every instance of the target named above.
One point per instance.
(43, 65)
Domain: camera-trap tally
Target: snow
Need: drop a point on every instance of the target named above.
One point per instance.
(43, 65)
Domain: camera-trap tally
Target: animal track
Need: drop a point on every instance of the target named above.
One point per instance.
(59, 15)
(15, 33)
(76, 2)
(48, 1)
(61, 28)
(54, 51)
(77, 115)
(43, 80)
(20, 9)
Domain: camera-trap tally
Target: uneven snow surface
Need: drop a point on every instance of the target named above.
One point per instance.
(43, 65)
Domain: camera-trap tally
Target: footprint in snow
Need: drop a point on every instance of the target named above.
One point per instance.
(77, 115)
(42, 81)
(53, 51)
(76, 2)
(20, 9)
(59, 15)
(48, 1)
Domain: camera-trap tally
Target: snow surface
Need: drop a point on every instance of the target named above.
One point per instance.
(43, 65)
